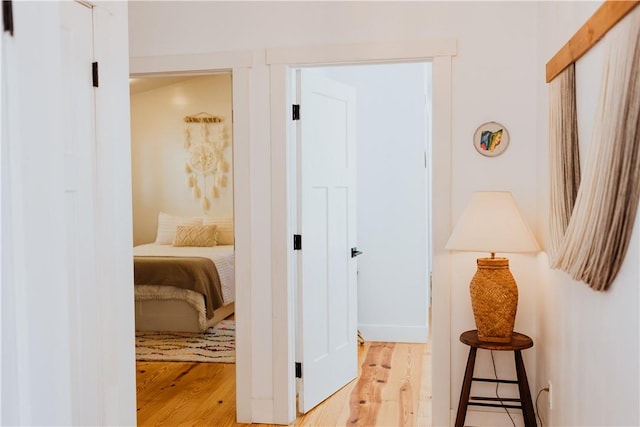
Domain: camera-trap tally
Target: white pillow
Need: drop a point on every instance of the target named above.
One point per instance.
(167, 225)
(225, 228)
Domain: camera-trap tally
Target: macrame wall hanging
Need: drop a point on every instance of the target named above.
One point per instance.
(205, 142)
(589, 238)
(564, 157)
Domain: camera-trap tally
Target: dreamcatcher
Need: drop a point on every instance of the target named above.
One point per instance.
(206, 167)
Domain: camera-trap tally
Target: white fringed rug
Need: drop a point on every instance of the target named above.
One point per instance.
(216, 345)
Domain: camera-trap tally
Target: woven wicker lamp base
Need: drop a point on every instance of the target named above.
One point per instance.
(494, 298)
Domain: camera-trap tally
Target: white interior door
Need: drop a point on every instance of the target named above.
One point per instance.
(327, 300)
(79, 138)
(57, 368)
(49, 215)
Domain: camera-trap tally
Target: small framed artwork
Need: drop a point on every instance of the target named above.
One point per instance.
(491, 139)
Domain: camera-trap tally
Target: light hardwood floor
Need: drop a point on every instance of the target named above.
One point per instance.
(393, 388)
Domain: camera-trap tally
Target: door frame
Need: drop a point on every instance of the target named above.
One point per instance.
(283, 178)
(239, 64)
(268, 73)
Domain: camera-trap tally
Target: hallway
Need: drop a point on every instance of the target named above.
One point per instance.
(393, 388)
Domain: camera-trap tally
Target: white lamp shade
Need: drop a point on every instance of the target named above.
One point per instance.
(492, 223)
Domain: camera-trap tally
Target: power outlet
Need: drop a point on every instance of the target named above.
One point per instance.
(550, 395)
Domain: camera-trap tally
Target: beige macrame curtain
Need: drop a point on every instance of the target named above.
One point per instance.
(564, 156)
(597, 235)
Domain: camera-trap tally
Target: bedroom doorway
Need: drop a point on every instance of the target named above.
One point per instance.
(182, 186)
(393, 132)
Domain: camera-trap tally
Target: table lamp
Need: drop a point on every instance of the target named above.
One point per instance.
(492, 223)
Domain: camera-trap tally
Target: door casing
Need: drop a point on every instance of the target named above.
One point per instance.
(277, 404)
(239, 64)
(281, 63)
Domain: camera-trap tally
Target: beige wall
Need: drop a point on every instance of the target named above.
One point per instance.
(158, 155)
(494, 77)
(587, 341)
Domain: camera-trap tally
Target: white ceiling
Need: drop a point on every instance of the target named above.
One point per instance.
(143, 84)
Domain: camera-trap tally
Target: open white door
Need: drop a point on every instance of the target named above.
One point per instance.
(54, 323)
(79, 136)
(327, 300)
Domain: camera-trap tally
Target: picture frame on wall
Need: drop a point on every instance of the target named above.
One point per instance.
(491, 139)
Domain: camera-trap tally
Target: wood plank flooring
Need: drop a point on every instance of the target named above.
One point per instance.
(393, 388)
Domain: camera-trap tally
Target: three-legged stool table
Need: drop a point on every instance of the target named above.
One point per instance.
(518, 342)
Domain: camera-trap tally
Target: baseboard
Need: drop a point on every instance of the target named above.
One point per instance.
(394, 333)
(490, 417)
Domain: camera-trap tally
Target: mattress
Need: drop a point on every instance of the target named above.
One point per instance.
(222, 256)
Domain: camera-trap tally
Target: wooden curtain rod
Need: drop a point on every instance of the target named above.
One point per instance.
(605, 18)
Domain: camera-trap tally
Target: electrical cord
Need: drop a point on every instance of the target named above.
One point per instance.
(495, 373)
(538, 410)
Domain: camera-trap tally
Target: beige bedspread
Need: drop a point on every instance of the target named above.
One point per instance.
(194, 273)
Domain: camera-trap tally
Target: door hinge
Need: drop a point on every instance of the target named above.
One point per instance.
(298, 370)
(94, 73)
(7, 16)
(295, 111)
(297, 242)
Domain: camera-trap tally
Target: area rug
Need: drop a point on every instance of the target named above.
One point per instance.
(216, 345)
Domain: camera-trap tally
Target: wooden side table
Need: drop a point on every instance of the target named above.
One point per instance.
(518, 343)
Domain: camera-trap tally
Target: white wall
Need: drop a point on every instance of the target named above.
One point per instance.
(392, 193)
(588, 340)
(158, 155)
(494, 78)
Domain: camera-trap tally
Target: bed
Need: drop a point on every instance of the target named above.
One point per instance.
(159, 306)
